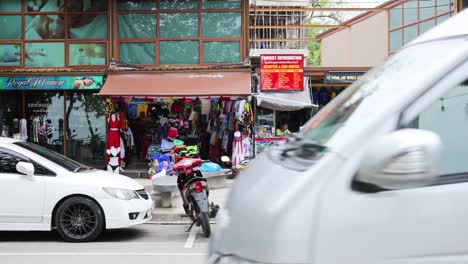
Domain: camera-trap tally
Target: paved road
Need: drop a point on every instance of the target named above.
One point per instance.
(143, 244)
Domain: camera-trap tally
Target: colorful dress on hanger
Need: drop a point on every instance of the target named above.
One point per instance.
(113, 158)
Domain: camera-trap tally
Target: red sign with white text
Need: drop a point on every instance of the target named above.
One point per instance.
(282, 72)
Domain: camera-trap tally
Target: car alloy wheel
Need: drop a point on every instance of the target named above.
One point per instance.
(79, 219)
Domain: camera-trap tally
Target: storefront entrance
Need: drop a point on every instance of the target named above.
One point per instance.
(70, 122)
(200, 110)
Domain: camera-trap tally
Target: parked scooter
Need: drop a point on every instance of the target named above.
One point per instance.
(194, 191)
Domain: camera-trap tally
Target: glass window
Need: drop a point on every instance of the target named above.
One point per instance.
(179, 4)
(465, 4)
(87, 54)
(11, 27)
(221, 52)
(11, 111)
(179, 25)
(42, 171)
(396, 40)
(10, 55)
(222, 4)
(137, 5)
(44, 27)
(443, 18)
(86, 6)
(43, 6)
(87, 26)
(410, 12)
(446, 118)
(444, 6)
(45, 54)
(10, 6)
(8, 161)
(426, 8)
(410, 33)
(45, 119)
(226, 24)
(137, 25)
(425, 26)
(87, 124)
(178, 52)
(396, 16)
(58, 159)
(137, 53)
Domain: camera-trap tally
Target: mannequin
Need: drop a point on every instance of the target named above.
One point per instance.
(113, 158)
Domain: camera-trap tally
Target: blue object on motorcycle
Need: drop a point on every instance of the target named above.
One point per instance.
(210, 167)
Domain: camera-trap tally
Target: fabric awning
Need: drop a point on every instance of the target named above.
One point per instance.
(285, 101)
(178, 84)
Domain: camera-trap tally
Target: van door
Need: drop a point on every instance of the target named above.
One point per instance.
(419, 225)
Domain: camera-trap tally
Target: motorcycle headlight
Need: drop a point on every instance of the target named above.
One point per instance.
(122, 194)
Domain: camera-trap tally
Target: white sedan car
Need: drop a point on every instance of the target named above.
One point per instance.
(41, 190)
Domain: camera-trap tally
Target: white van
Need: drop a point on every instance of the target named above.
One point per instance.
(380, 175)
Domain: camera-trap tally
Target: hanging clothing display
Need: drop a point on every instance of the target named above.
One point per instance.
(23, 129)
(36, 129)
(113, 157)
(237, 149)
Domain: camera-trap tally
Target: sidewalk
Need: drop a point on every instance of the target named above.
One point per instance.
(175, 215)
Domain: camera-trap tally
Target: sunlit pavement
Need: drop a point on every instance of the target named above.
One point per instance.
(148, 243)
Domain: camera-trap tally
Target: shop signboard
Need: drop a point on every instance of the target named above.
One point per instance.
(343, 77)
(282, 72)
(51, 82)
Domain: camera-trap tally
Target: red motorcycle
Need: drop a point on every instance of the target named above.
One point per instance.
(194, 191)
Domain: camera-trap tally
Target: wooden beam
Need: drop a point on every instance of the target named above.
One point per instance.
(298, 26)
(316, 9)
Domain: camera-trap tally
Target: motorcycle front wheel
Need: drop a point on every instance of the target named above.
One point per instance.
(205, 223)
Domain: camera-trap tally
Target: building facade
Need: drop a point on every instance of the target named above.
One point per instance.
(371, 37)
(55, 57)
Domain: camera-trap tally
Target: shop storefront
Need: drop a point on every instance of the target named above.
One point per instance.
(331, 83)
(199, 108)
(283, 99)
(62, 113)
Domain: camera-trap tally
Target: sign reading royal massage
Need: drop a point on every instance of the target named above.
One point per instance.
(282, 72)
(50, 82)
(342, 77)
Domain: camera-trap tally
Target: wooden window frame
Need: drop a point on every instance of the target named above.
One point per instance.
(199, 38)
(66, 41)
(417, 22)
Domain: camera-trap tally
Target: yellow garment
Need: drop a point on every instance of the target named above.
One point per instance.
(282, 133)
(142, 108)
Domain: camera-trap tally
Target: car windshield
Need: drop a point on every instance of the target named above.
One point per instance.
(55, 157)
(382, 85)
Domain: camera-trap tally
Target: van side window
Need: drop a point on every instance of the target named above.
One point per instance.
(448, 118)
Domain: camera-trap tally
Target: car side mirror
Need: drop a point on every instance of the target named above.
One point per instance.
(407, 158)
(25, 168)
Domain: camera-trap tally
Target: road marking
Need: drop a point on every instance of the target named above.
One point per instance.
(102, 254)
(191, 237)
